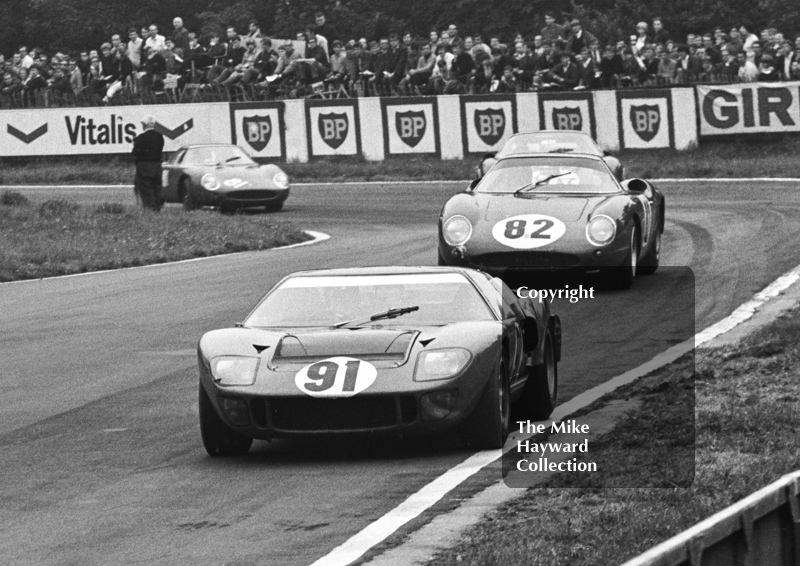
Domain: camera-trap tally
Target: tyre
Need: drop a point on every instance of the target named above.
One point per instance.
(541, 390)
(622, 277)
(274, 207)
(187, 195)
(488, 426)
(649, 263)
(218, 438)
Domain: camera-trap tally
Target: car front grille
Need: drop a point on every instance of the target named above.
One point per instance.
(294, 414)
(253, 194)
(530, 260)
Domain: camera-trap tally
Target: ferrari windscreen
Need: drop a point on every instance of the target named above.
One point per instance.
(566, 142)
(217, 155)
(441, 298)
(546, 174)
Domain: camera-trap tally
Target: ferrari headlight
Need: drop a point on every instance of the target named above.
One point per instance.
(601, 230)
(234, 370)
(209, 182)
(457, 230)
(281, 180)
(441, 364)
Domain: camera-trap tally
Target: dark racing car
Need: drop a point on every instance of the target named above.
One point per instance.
(550, 141)
(223, 176)
(554, 212)
(384, 350)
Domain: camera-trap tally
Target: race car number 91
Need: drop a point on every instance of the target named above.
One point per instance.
(528, 231)
(336, 377)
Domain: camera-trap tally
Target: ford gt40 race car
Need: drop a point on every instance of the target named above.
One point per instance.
(390, 350)
(557, 212)
(550, 141)
(223, 176)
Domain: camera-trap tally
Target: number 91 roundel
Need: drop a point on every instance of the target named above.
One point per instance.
(528, 231)
(336, 377)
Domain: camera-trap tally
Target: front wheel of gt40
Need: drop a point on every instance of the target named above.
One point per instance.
(218, 438)
(489, 424)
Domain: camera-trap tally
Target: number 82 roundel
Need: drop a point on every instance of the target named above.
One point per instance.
(528, 231)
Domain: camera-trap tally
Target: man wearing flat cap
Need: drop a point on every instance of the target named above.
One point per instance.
(578, 37)
(147, 148)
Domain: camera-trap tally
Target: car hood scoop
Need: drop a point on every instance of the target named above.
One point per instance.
(363, 343)
(565, 208)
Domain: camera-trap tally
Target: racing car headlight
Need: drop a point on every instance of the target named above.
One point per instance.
(441, 364)
(209, 182)
(234, 370)
(457, 230)
(281, 180)
(601, 230)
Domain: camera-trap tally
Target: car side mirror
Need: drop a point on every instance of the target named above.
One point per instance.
(637, 186)
(472, 185)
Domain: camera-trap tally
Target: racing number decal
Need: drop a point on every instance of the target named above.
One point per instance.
(336, 377)
(528, 231)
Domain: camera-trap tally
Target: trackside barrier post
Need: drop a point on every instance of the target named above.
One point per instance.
(763, 529)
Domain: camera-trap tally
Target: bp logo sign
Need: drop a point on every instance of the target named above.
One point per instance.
(333, 128)
(567, 119)
(257, 131)
(490, 125)
(410, 126)
(645, 120)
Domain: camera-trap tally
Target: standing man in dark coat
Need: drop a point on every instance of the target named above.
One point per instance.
(147, 148)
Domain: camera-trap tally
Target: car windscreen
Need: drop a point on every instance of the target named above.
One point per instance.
(442, 298)
(548, 174)
(217, 155)
(565, 142)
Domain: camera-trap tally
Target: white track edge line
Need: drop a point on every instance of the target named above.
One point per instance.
(417, 503)
(316, 237)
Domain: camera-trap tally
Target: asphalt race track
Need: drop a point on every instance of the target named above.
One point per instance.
(102, 461)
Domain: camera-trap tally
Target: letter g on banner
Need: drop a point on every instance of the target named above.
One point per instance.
(716, 113)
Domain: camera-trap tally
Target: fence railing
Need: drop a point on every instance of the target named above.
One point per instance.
(762, 529)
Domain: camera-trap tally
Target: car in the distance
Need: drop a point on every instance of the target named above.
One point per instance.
(222, 175)
(379, 351)
(550, 141)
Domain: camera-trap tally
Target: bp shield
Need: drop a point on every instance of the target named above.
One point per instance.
(257, 131)
(410, 126)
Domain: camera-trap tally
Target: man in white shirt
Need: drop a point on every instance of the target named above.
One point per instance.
(155, 41)
(135, 48)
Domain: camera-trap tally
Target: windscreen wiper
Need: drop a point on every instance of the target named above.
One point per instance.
(530, 186)
(391, 313)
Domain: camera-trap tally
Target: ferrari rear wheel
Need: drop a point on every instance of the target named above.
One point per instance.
(488, 425)
(187, 196)
(650, 262)
(541, 390)
(218, 438)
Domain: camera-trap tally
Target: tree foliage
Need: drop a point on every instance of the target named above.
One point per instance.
(78, 24)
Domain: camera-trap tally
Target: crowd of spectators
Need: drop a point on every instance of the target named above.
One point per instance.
(321, 62)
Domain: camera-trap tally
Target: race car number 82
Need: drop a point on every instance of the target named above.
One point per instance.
(336, 377)
(528, 231)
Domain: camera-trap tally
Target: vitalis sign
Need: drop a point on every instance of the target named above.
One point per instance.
(69, 131)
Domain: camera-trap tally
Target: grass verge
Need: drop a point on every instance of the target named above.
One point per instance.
(60, 237)
(736, 158)
(747, 417)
